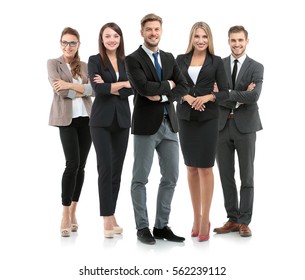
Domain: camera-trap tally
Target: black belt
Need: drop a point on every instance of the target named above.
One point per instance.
(166, 116)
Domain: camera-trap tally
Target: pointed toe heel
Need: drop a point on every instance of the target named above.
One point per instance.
(206, 237)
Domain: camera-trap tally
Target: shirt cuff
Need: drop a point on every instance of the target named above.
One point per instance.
(87, 90)
(71, 94)
(164, 98)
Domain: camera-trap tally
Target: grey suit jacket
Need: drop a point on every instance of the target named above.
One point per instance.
(246, 116)
(61, 109)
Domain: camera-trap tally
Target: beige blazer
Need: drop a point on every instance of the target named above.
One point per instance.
(61, 109)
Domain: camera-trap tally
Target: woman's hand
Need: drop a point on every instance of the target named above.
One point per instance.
(193, 102)
(199, 102)
(60, 85)
(98, 79)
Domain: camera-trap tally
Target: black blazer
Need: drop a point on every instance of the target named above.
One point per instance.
(246, 116)
(105, 104)
(148, 115)
(211, 71)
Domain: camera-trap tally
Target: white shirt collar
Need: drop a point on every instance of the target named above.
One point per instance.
(240, 60)
(150, 54)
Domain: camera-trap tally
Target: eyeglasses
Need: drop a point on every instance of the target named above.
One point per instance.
(71, 44)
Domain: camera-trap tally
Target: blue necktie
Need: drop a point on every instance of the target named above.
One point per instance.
(157, 66)
(159, 73)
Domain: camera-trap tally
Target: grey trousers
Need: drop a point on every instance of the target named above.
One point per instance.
(165, 142)
(231, 140)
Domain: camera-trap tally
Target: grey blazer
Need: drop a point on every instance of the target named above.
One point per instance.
(246, 116)
(61, 109)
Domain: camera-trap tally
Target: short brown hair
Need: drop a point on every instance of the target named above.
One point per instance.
(237, 29)
(150, 17)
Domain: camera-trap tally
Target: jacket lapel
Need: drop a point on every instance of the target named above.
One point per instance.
(149, 63)
(242, 70)
(227, 66)
(64, 68)
(187, 63)
(111, 69)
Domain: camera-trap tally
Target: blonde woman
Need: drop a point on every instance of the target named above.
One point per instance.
(198, 121)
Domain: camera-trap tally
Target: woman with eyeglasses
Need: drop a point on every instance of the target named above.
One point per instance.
(70, 112)
(110, 119)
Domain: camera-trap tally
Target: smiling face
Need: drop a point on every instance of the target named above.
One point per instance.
(238, 43)
(111, 39)
(151, 32)
(69, 46)
(200, 40)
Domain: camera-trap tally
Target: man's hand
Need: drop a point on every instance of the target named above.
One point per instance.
(251, 87)
(154, 98)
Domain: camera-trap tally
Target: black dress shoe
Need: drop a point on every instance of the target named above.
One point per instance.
(145, 236)
(166, 233)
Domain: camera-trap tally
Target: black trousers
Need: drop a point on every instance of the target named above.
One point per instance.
(231, 141)
(110, 145)
(76, 143)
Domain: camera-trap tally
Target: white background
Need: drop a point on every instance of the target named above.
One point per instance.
(32, 159)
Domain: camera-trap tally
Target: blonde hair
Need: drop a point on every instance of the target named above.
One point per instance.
(207, 30)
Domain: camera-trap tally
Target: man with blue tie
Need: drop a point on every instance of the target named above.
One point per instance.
(238, 122)
(157, 83)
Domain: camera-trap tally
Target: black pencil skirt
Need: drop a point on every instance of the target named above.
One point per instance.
(198, 142)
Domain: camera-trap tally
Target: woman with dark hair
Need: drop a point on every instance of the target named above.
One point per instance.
(110, 119)
(70, 112)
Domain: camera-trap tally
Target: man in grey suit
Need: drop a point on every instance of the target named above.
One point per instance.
(238, 122)
(157, 82)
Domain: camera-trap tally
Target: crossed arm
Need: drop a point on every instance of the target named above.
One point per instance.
(115, 87)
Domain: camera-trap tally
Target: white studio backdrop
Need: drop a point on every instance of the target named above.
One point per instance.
(32, 159)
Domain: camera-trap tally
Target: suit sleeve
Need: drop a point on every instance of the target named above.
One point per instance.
(138, 78)
(124, 92)
(53, 76)
(222, 82)
(250, 97)
(88, 91)
(181, 88)
(93, 69)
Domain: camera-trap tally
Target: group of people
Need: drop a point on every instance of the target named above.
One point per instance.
(216, 115)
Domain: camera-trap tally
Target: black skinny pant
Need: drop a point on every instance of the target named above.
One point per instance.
(110, 145)
(76, 143)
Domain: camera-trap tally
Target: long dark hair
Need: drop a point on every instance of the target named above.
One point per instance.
(75, 63)
(120, 52)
